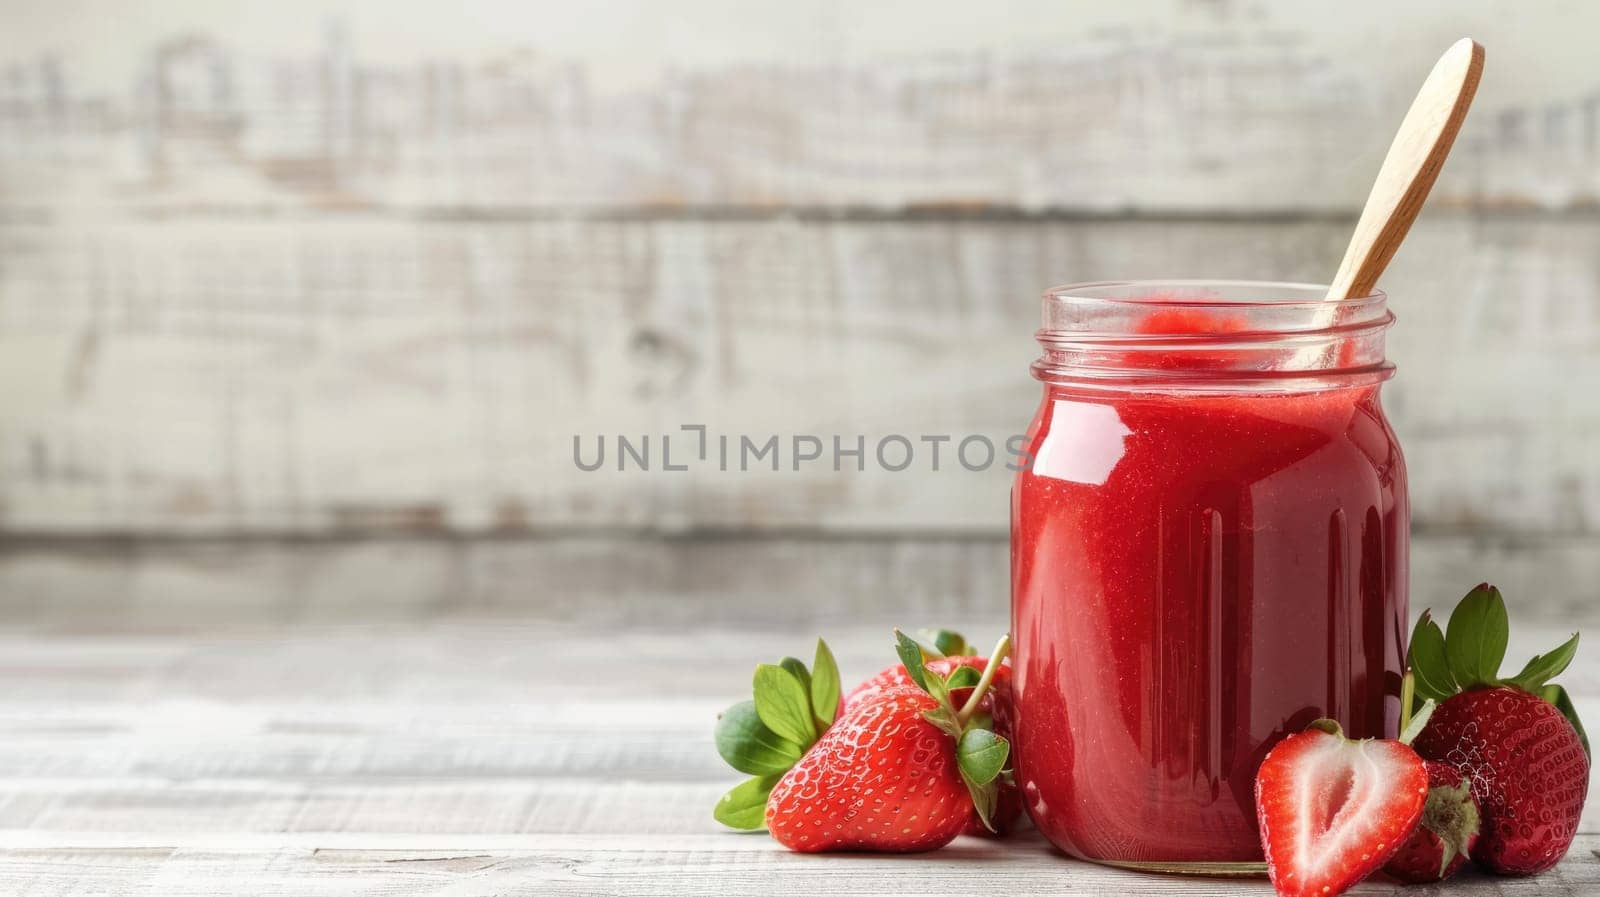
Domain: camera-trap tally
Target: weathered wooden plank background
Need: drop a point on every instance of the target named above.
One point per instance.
(464, 758)
(302, 306)
(317, 376)
(298, 283)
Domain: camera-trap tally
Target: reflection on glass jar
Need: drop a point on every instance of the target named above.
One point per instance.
(1208, 552)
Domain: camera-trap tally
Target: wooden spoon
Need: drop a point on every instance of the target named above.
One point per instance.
(1410, 169)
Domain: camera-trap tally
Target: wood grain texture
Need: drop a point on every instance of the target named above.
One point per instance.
(660, 867)
(642, 580)
(378, 374)
(436, 758)
(306, 284)
(1155, 104)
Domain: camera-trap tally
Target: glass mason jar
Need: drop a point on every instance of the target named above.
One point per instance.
(1208, 552)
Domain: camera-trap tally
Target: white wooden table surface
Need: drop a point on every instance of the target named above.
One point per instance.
(465, 758)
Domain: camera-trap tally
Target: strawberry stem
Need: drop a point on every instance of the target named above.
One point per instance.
(1001, 649)
(1408, 695)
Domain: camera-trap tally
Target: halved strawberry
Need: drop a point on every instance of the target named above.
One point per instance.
(1333, 810)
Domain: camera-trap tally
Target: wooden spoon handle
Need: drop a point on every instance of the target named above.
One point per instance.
(1410, 169)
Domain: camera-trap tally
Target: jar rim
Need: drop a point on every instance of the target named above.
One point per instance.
(1196, 334)
(1167, 293)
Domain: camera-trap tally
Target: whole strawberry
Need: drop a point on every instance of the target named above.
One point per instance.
(903, 769)
(1526, 767)
(882, 778)
(1517, 741)
(1332, 810)
(1449, 827)
(997, 703)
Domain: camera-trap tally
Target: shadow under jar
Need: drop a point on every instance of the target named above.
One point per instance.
(1208, 552)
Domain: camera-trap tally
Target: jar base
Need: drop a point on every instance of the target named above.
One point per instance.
(1218, 869)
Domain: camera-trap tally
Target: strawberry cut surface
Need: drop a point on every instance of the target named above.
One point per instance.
(1332, 810)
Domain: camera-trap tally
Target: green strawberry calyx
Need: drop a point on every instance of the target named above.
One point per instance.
(981, 753)
(1468, 652)
(943, 643)
(1452, 815)
(763, 737)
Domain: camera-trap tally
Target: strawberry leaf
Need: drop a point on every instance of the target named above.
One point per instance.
(911, 656)
(1330, 726)
(984, 800)
(1558, 696)
(824, 685)
(981, 755)
(795, 666)
(1430, 665)
(1418, 722)
(962, 677)
(941, 694)
(1476, 637)
(945, 642)
(1544, 667)
(749, 746)
(745, 807)
(980, 758)
(783, 704)
(944, 719)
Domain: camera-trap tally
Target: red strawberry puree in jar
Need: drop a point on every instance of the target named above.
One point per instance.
(1208, 552)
